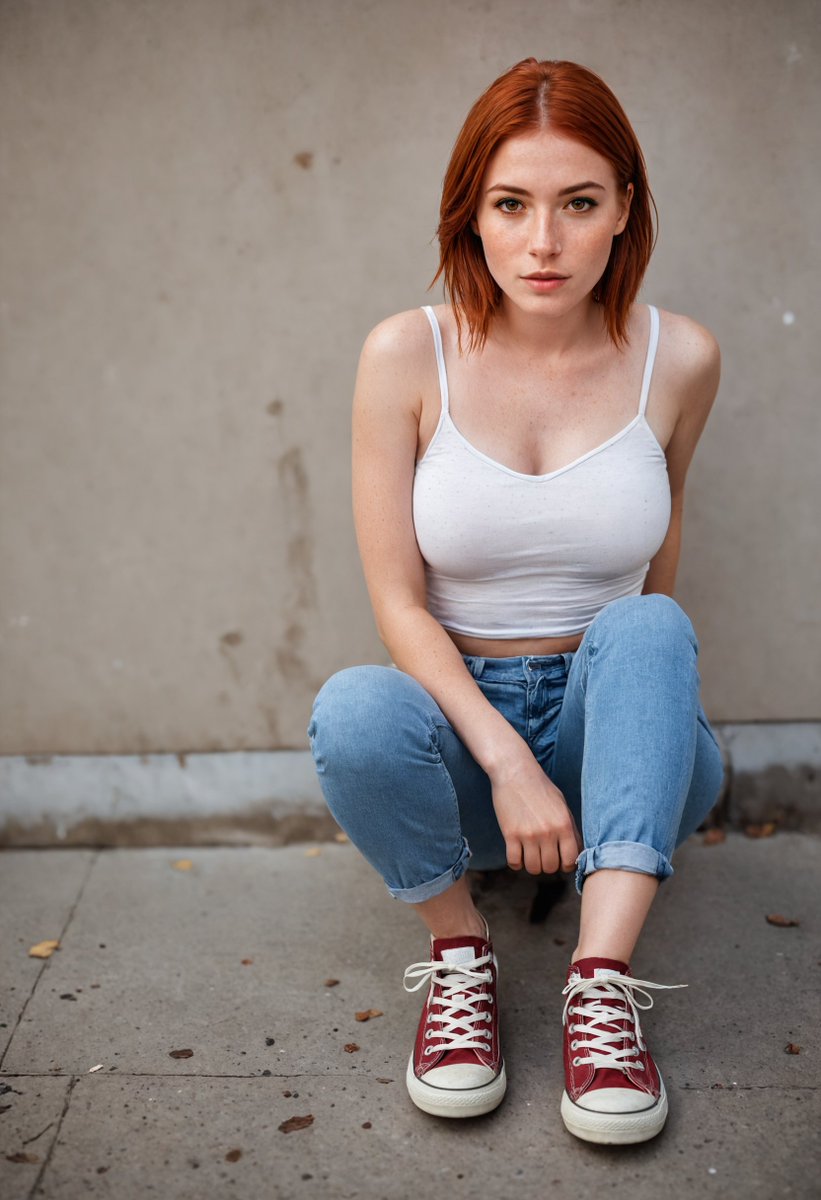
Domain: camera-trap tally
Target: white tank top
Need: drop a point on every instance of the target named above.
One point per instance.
(509, 555)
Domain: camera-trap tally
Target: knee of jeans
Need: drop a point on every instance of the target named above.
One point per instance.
(356, 712)
(654, 617)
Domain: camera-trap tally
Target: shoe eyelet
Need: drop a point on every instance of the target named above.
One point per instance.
(428, 1050)
(428, 1033)
(576, 1061)
(639, 1066)
(574, 1045)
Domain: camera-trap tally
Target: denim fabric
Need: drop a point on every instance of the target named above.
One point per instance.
(617, 725)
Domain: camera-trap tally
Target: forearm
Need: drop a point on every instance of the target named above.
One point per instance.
(420, 646)
(661, 576)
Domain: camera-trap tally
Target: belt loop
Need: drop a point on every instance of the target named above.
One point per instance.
(478, 667)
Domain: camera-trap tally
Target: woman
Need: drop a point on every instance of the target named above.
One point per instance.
(519, 464)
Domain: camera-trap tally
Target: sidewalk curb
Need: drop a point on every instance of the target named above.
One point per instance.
(273, 798)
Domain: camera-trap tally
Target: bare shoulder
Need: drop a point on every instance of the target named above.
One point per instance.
(396, 367)
(401, 340)
(691, 352)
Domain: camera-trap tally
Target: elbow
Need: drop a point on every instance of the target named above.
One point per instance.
(393, 621)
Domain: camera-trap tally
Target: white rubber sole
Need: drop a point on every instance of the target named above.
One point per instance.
(614, 1129)
(453, 1102)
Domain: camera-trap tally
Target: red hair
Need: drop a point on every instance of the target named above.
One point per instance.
(567, 99)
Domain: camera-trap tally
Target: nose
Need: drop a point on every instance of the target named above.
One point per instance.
(544, 236)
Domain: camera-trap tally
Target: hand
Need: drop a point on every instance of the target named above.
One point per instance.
(538, 827)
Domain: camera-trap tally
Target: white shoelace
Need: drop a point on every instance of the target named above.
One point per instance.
(603, 1046)
(459, 992)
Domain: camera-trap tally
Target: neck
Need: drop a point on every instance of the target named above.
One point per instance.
(537, 336)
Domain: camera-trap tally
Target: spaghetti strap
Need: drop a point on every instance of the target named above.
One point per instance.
(440, 355)
(652, 346)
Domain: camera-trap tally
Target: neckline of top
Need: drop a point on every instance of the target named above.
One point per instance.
(650, 358)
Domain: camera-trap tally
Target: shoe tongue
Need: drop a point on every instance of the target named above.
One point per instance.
(458, 954)
(599, 968)
(456, 951)
(459, 949)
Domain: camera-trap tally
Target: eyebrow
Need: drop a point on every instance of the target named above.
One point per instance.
(577, 187)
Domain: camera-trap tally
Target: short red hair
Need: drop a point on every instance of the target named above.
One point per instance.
(568, 99)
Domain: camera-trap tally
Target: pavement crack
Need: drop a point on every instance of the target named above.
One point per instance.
(191, 1075)
(752, 1087)
(72, 1083)
(45, 963)
(29, 1140)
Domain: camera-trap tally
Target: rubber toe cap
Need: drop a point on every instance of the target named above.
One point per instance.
(616, 1100)
(459, 1076)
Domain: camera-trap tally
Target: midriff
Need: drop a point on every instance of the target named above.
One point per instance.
(513, 648)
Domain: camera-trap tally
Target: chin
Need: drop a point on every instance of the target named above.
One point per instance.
(550, 303)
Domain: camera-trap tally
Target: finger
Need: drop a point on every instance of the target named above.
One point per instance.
(514, 855)
(570, 849)
(533, 860)
(550, 859)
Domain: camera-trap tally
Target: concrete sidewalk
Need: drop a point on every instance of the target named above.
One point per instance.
(229, 960)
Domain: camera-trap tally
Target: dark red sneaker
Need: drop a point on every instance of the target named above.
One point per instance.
(456, 1068)
(613, 1091)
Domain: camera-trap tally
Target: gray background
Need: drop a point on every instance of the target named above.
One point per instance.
(207, 205)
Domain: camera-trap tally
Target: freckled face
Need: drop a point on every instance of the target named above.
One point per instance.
(548, 211)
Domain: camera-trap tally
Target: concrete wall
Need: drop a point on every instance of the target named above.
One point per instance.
(206, 204)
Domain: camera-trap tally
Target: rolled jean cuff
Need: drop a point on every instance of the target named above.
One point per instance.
(621, 856)
(434, 887)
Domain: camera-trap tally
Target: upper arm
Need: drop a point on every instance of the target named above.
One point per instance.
(694, 366)
(691, 368)
(386, 412)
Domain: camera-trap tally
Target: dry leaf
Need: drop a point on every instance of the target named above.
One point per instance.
(713, 837)
(233, 1156)
(383, 1079)
(783, 922)
(341, 838)
(181, 1054)
(330, 983)
(296, 1123)
(22, 1157)
(247, 962)
(44, 949)
(182, 864)
(791, 1048)
(313, 851)
(765, 830)
(367, 1125)
(350, 1047)
(368, 1013)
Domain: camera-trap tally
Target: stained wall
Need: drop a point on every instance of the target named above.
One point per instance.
(207, 205)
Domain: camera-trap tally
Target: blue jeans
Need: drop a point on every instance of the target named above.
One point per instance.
(617, 725)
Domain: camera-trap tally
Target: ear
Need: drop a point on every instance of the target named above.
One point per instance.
(474, 225)
(625, 212)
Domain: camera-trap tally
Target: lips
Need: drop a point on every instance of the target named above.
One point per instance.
(545, 275)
